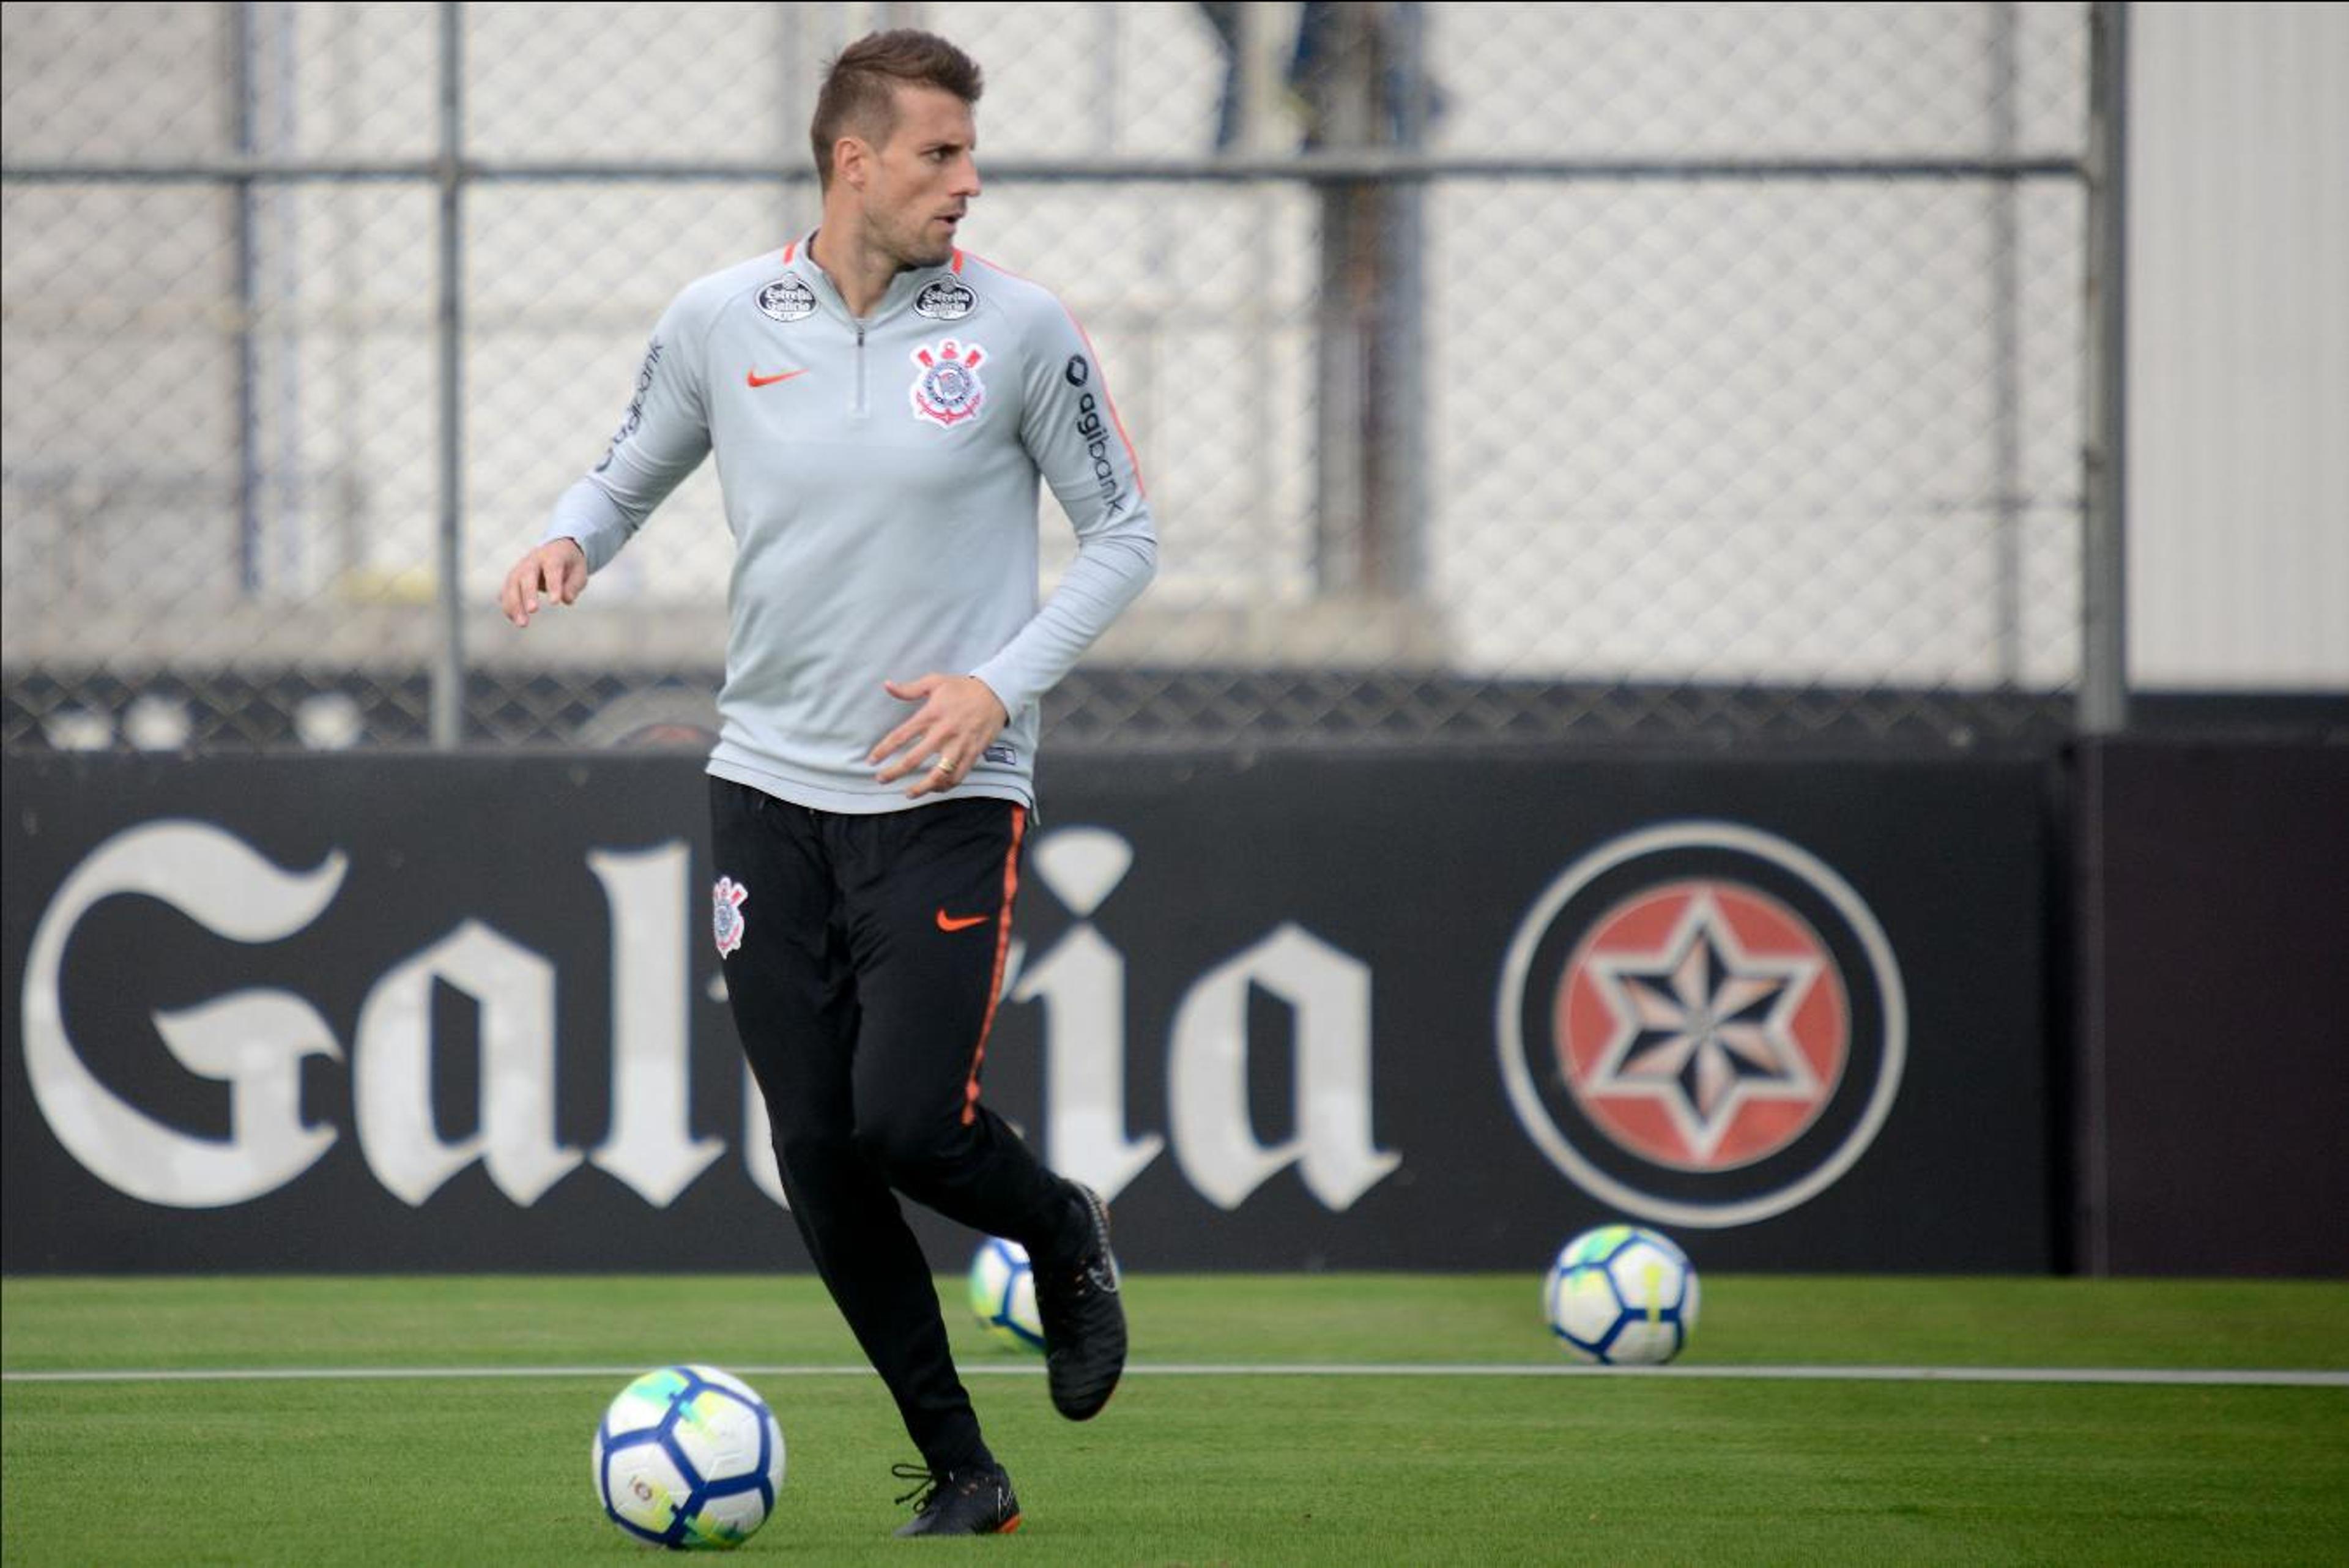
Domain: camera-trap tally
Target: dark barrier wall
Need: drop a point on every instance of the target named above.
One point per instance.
(1290, 1010)
(2214, 992)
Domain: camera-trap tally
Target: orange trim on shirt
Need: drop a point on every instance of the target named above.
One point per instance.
(1115, 418)
(1003, 956)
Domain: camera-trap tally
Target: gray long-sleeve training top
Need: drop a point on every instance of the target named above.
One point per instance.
(880, 481)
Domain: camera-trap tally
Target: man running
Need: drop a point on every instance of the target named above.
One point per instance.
(881, 406)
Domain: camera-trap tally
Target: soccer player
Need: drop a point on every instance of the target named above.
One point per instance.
(882, 405)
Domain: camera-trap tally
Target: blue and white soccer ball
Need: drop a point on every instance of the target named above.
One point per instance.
(1003, 1293)
(688, 1456)
(1622, 1296)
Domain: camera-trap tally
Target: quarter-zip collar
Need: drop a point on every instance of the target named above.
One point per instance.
(901, 292)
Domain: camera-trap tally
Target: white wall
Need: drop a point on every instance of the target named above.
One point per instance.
(2238, 345)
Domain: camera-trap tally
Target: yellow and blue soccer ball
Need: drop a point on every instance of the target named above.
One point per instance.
(688, 1456)
(1622, 1296)
(1003, 1293)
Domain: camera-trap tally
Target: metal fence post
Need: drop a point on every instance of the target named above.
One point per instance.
(1367, 87)
(244, 31)
(2103, 581)
(448, 654)
(1403, 413)
(2007, 501)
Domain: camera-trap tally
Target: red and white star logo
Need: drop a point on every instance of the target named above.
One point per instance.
(1702, 1024)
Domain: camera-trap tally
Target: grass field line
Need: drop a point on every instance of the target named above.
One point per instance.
(2175, 1377)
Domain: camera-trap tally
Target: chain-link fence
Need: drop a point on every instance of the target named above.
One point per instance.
(1510, 370)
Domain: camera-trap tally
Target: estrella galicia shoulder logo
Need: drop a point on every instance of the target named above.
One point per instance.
(946, 300)
(786, 299)
(1701, 1023)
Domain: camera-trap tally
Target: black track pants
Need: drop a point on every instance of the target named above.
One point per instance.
(862, 959)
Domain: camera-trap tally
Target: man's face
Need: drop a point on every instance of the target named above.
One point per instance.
(924, 178)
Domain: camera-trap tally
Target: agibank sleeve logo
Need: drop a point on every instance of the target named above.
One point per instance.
(633, 420)
(946, 389)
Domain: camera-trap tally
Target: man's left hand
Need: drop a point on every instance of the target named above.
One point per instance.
(959, 714)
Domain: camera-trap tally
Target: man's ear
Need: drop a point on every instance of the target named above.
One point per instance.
(851, 160)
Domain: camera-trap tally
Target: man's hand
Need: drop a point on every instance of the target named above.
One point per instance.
(959, 714)
(558, 569)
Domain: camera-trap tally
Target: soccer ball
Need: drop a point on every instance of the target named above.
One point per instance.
(1622, 1296)
(688, 1456)
(1003, 1293)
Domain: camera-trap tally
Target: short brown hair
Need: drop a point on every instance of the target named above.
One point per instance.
(860, 90)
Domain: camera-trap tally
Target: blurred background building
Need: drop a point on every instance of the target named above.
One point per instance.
(1733, 372)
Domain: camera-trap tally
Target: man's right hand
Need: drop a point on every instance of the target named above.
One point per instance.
(557, 569)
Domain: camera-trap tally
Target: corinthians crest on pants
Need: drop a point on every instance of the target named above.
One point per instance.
(726, 922)
(946, 389)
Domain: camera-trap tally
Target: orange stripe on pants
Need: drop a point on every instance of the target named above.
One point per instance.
(1003, 956)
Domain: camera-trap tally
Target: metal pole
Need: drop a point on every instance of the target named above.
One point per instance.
(1105, 93)
(2005, 331)
(449, 657)
(1315, 164)
(1343, 86)
(242, 46)
(289, 550)
(791, 120)
(2103, 582)
(1402, 412)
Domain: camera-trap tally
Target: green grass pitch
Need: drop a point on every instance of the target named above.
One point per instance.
(1187, 1467)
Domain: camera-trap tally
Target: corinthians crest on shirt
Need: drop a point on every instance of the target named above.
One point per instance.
(946, 389)
(1701, 1023)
